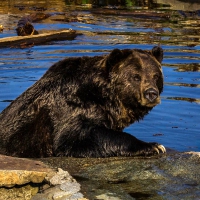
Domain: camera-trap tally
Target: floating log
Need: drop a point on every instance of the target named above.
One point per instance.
(31, 40)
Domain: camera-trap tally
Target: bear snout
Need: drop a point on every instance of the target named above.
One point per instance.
(151, 94)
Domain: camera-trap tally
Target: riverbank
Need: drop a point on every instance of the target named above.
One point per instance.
(168, 176)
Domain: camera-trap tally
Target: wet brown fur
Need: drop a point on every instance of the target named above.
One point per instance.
(81, 106)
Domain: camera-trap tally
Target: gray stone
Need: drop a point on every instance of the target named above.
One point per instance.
(60, 177)
(76, 196)
(72, 187)
(64, 187)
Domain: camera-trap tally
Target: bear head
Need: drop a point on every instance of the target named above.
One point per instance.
(136, 76)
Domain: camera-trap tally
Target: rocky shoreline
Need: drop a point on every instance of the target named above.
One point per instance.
(24, 179)
(169, 176)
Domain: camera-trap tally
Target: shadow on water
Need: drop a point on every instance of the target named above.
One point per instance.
(108, 24)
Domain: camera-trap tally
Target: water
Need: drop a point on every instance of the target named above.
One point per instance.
(175, 122)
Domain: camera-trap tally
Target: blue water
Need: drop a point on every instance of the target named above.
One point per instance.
(176, 120)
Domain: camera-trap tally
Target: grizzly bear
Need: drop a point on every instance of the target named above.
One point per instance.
(81, 105)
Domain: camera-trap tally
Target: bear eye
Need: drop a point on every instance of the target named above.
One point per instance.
(156, 77)
(137, 77)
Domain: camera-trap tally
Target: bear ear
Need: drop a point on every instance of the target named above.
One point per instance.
(115, 57)
(157, 53)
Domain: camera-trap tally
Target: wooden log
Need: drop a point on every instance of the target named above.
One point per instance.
(23, 41)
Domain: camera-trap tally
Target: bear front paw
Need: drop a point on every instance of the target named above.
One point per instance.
(152, 149)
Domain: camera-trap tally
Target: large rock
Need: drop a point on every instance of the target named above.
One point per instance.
(21, 178)
(19, 171)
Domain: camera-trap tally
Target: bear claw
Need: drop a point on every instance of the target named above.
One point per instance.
(160, 149)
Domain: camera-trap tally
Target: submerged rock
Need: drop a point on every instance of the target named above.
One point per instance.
(170, 176)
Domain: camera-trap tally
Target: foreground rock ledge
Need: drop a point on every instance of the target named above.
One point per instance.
(21, 179)
(164, 177)
(19, 171)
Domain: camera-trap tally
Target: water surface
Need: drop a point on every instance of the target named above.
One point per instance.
(175, 122)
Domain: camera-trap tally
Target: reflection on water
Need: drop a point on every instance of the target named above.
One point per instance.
(193, 67)
(185, 99)
(174, 24)
(183, 5)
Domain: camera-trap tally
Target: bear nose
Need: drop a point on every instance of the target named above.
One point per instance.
(151, 94)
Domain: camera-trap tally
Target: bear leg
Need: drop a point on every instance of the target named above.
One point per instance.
(102, 142)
